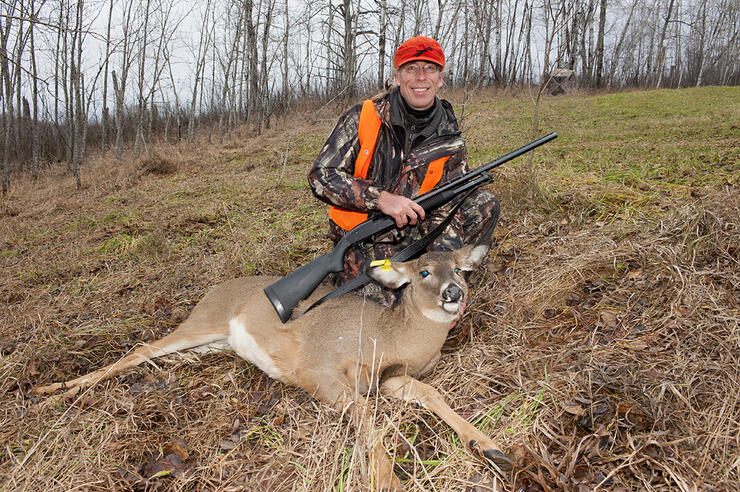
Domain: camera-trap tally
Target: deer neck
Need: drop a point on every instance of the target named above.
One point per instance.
(409, 317)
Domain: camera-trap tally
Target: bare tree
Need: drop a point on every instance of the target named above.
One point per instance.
(105, 116)
(226, 67)
(143, 42)
(166, 32)
(382, 26)
(119, 85)
(79, 115)
(200, 61)
(286, 57)
(35, 90)
(661, 44)
(175, 92)
(8, 86)
(600, 44)
(20, 44)
(618, 48)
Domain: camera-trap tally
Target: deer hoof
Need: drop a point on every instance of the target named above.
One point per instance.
(45, 390)
(393, 486)
(495, 456)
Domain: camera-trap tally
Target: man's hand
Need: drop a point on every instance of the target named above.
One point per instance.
(403, 210)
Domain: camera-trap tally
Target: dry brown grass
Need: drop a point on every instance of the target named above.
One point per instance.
(601, 347)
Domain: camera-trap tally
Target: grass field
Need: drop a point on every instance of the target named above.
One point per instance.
(602, 347)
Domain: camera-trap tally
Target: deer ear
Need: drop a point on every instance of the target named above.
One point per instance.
(470, 257)
(391, 275)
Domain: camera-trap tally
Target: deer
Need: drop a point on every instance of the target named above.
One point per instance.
(341, 351)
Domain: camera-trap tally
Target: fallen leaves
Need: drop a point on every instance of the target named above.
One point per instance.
(573, 408)
(174, 461)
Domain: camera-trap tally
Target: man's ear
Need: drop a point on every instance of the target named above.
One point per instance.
(470, 257)
(390, 275)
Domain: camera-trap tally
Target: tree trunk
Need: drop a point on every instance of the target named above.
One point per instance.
(618, 49)
(227, 73)
(35, 98)
(661, 44)
(199, 63)
(57, 57)
(348, 51)
(600, 44)
(118, 90)
(383, 6)
(8, 99)
(175, 92)
(76, 81)
(286, 72)
(702, 38)
(497, 38)
(104, 122)
(139, 141)
(19, 126)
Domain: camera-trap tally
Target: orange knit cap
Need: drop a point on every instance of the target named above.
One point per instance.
(419, 48)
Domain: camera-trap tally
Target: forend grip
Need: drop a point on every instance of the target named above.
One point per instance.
(287, 292)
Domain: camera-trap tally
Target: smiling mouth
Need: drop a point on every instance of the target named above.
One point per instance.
(421, 90)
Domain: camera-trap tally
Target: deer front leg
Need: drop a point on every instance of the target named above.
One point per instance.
(382, 478)
(409, 389)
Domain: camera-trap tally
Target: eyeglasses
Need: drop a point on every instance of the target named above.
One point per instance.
(429, 69)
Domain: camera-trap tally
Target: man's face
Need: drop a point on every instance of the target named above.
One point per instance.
(419, 82)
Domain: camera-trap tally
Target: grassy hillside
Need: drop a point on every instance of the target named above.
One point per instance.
(602, 346)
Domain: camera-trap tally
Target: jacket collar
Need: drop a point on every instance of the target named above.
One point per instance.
(401, 117)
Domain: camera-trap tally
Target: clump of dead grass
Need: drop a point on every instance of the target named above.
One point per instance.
(636, 347)
(7, 209)
(157, 164)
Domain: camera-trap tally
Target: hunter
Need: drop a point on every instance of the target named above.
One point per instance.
(389, 149)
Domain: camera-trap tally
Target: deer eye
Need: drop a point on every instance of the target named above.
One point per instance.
(424, 273)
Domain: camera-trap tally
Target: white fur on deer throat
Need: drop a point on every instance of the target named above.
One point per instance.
(443, 315)
(247, 348)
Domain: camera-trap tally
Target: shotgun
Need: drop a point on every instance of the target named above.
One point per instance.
(287, 292)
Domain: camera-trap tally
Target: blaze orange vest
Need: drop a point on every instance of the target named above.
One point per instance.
(368, 130)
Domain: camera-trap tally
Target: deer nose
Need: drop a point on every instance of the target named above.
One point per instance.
(453, 293)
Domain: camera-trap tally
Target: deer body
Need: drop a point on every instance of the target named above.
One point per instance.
(340, 351)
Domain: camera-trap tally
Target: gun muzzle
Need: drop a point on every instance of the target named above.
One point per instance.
(286, 293)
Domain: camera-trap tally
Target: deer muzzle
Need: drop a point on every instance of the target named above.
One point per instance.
(452, 297)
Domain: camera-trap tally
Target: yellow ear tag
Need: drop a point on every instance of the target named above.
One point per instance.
(384, 265)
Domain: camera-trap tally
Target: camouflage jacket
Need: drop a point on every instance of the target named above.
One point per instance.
(399, 164)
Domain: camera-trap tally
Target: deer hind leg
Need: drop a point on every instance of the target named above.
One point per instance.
(186, 336)
(409, 389)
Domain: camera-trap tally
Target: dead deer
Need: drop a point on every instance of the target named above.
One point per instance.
(341, 350)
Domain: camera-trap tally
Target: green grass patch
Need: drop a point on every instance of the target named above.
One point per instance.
(620, 154)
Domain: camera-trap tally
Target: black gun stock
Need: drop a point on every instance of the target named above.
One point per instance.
(287, 292)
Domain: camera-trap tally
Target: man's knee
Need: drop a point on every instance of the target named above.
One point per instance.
(480, 216)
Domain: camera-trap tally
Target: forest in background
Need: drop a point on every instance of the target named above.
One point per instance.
(82, 76)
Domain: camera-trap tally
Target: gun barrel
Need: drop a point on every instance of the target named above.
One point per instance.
(489, 166)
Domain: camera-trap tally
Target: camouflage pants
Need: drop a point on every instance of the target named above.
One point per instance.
(478, 216)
